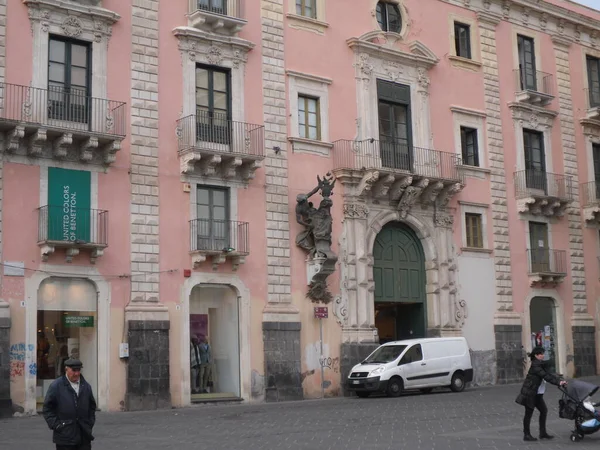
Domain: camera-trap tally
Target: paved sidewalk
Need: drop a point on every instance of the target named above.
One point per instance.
(479, 418)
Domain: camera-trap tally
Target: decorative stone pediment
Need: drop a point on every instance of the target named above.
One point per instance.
(533, 117)
(74, 19)
(591, 128)
(201, 46)
(417, 54)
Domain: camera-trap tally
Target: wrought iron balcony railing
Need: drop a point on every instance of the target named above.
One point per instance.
(215, 133)
(219, 236)
(547, 261)
(231, 8)
(543, 184)
(592, 97)
(66, 109)
(395, 156)
(534, 81)
(78, 227)
(590, 194)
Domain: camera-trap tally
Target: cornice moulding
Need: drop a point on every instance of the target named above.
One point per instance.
(420, 56)
(95, 11)
(190, 33)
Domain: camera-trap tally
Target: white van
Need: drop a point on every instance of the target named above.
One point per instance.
(413, 364)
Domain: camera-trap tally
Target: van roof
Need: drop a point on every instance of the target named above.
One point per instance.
(422, 340)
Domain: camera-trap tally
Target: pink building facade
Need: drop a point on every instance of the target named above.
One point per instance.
(155, 159)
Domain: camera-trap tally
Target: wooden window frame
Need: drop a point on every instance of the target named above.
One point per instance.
(474, 230)
(305, 129)
(593, 94)
(465, 132)
(458, 26)
(302, 4)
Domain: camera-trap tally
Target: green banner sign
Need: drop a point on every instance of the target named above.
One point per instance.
(78, 321)
(69, 199)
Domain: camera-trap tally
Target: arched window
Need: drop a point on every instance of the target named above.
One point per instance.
(388, 17)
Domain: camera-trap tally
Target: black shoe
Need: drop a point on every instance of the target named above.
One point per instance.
(529, 437)
(546, 436)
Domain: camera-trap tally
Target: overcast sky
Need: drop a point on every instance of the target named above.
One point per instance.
(591, 3)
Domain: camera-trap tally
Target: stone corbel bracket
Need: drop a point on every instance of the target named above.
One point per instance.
(549, 207)
(591, 214)
(543, 280)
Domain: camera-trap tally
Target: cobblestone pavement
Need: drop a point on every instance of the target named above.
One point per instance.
(479, 418)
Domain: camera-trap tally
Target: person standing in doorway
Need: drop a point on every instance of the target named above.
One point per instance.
(70, 409)
(532, 393)
(195, 364)
(205, 365)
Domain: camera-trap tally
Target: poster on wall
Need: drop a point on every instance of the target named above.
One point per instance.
(69, 201)
(199, 326)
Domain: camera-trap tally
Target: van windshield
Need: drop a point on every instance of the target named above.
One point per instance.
(384, 354)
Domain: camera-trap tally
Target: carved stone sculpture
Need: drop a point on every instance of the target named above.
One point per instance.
(316, 238)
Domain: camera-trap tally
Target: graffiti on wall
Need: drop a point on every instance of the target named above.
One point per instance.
(330, 363)
(19, 354)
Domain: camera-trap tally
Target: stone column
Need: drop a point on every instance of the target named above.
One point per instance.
(147, 319)
(5, 401)
(281, 321)
(507, 323)
(582, 323)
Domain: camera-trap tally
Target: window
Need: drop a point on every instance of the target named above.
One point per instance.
(388, 17)
(596, 160)
(535, 159)
(212, 226)
(68, 80)
(540, 253)
(474, 230)
(309, 125)
(216, 6)
(470, 147)
(527, 70)
(413, 354)
(306, 8)
(462, 40)
(213, 110)
(593, 68)
(394, 125)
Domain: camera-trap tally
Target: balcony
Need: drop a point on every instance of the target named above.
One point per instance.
(534, 87)
(398, 172)
(543, 193)
(211, 145)
(590, 201)
(220, 240)
(217, 16)
(72, 229)
(547, 267)
(60, 124)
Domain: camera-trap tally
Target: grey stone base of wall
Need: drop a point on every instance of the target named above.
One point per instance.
(510, 355)
(283, 376)
(484, 367)
(584, 351)
(148, 367)
(350, 355)
(5, 402)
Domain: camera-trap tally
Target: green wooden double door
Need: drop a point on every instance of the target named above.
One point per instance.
(400, 281)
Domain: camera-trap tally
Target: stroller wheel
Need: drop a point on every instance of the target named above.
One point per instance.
(576, 437)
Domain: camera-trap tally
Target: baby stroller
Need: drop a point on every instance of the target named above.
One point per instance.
(576, 405)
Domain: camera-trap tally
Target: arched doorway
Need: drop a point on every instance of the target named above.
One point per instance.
(66, 327)
(542, 318)
(214, 343)
(399, 276)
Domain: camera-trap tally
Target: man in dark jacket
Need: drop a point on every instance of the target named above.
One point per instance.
(70, 409)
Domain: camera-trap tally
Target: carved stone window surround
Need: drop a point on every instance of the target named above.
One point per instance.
(475, 208)
(316, 25)
(474, 63)
(404, 17)
(472, 119)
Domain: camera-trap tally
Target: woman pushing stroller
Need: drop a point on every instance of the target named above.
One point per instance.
(532, 393)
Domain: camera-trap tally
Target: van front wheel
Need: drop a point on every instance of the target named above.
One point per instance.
(394, 387)
(458, 382)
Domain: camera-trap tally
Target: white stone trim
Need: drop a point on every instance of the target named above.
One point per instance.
(403, 13)
(559, 315)
(589, 143)
(32, 285)
(243, 295)
(474, 63)
(514, 32)
(474, 209)
(313, 86)
(471, 119)
(317, 25)
(232, 197)
(90, 24)
(198, 47)
(536, 119)
(540, 219)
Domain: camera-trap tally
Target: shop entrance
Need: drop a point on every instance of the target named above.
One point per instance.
(214, 343)
(399, 275)
(543, 328)
(66, 328)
